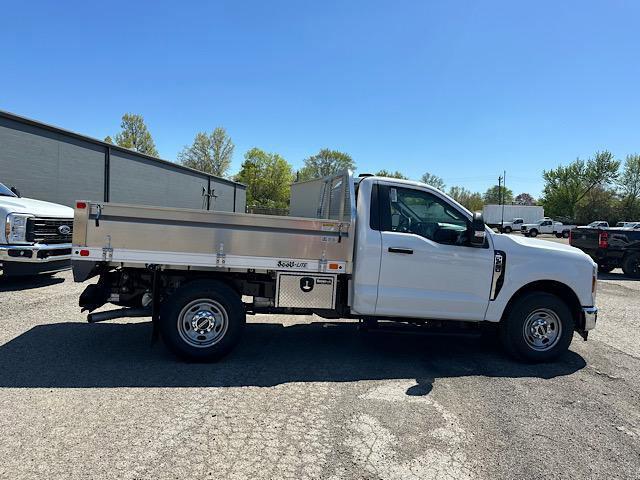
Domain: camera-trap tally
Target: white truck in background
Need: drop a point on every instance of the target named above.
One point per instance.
(494, 216)
(36, 237)
(547, 226)
(371, 249)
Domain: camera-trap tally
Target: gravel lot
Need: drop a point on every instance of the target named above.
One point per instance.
(301, 398)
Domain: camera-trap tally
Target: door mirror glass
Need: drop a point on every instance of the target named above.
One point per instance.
(478, 231)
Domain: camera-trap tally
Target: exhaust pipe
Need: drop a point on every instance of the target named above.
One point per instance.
(119, 313)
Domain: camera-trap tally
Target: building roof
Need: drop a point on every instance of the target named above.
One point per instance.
(95, 141)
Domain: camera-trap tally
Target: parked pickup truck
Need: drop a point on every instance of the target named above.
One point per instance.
(546, 225)
(36, 237)
(515, 224)
(610, 248)
(377, 249)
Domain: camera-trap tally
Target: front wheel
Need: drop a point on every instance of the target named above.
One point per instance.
(538, 328)
(533, 233)
(202, 321)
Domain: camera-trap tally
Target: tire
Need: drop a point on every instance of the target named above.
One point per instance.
(605, 268)
(527, 332)
(558, 235)
(533, 233)
(631, 265)
(507, 229)
(565, 234)
(219, 310)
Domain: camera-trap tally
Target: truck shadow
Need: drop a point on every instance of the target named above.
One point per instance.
(15, 284)
(76, 355)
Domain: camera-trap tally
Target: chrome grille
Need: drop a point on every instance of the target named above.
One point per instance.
(46, 230)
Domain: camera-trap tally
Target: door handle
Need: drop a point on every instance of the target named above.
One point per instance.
(407, 251)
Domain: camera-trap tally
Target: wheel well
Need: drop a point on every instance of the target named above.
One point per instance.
(560, 290)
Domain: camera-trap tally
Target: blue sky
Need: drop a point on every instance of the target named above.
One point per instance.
(462, 89)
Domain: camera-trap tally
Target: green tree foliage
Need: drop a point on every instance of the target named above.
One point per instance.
(135, 135)
(566, 187)
(598, 204)
(497, 195)
(390, 174)
(629, 183)
(325, 162)
(472, 201)
(209, 152)
(268, 177)
(433, 180)
(108, 139)
(525, 199)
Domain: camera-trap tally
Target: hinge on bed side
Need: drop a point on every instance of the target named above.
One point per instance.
(322, 263)
(107, 250)
(220, 256)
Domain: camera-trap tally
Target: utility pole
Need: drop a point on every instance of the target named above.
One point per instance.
(504, 196)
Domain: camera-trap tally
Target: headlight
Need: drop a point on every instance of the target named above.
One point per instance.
(15, 229)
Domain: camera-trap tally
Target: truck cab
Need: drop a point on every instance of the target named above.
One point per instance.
(36, 237)
(372, 249)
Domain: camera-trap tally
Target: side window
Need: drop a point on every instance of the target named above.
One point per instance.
(422, 213)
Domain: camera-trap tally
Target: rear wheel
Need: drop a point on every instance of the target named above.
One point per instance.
(631, 265)
(533, 233)
(538, 328)
(565, 234)
(507, 229)
(558, 235)
(202, 321)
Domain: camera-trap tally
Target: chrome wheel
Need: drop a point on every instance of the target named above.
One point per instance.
(542, 329)
(202, 323)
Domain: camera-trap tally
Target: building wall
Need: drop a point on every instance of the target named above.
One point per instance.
(58, 167)
(49, 166)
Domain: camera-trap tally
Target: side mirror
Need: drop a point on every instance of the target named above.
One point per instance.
(15, 191)
(478, 231)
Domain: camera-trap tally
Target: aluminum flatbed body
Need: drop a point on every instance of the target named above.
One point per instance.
(172, 238)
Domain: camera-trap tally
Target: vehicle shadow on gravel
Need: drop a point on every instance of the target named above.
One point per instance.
(15, 284)
(77, 355)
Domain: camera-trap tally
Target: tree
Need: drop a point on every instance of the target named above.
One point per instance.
(135, 135)
(629, 183)
(268, 177)
(497, 195)
(108, 139)
(433, 180)
(326, 162)
(472, 201)
(525, 199)
(210, 153)
(389, 174)
(565, 187)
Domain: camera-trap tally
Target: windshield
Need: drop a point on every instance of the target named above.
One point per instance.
(5, 192)
(594, 224)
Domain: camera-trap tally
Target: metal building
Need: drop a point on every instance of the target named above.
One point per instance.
(49, 163)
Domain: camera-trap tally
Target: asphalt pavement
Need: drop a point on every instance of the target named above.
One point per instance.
(305, 398)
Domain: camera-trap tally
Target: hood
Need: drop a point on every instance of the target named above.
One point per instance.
(39, 208)
(511, 242)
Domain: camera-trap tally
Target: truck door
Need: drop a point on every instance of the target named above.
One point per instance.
(428, 269)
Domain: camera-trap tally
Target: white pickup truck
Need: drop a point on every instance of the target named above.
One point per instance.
(377, 249)
(546, 225)
(36, 237)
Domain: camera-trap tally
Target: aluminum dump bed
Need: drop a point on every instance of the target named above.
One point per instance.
(135, 235)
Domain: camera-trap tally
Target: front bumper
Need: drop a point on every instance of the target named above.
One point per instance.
(590, 315)
(37, 253)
